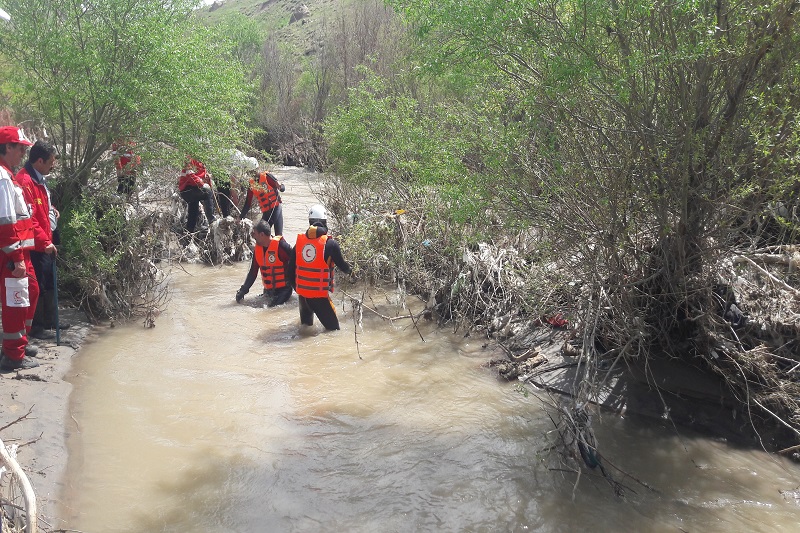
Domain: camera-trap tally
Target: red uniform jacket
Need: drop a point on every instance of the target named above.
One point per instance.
(36, 197)
(12, 236)
(193, 175)
(125, 159)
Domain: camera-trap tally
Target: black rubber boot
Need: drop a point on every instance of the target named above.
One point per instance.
(41, 334)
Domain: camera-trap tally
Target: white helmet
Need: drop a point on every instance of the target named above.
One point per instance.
(317, 212)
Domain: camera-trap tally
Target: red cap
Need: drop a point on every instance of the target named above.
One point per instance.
(12, 134)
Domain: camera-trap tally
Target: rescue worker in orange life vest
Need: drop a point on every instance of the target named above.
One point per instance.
(273, 257)
(315, 256)
(267, 191)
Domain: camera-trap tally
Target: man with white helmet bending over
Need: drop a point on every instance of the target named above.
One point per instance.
(315, 254)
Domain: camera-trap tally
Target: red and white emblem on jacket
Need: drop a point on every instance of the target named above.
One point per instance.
(309, 253)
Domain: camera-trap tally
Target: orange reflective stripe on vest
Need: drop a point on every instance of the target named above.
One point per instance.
(266, 194)
(314, 275)
(273, 271)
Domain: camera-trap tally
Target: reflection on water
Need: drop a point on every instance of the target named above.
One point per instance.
(231, 417)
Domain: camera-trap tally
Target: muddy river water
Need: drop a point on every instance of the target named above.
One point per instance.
(233, 418)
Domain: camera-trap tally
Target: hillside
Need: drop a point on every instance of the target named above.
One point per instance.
(297, 23)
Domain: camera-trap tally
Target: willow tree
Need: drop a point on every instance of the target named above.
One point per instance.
(90, 72)
(653, 129)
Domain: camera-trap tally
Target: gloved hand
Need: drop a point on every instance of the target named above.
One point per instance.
(240, 295)
(283, 187)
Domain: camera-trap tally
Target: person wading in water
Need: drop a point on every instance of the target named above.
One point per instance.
(315, 256)
(273, 257)
(267, 190)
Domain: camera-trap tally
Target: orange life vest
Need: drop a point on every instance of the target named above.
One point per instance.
(267, 196)
(273, 271)
(314, 274)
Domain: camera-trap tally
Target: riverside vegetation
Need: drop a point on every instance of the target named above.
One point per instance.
(631, 167)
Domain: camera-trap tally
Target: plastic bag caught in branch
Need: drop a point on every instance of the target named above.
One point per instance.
(240, 160)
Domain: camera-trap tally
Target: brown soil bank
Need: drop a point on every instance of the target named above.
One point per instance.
(744, 391)
(35, 411)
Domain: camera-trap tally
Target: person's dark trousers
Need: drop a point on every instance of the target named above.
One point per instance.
(322, 307)
(126, 184)
(193, 196)
(274, 218)
(45, 314)
(278, 296)
(43, 266)
(224, 199)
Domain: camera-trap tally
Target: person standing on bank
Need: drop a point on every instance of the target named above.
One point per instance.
(267, 191)
(19, 287)
(194, 186)
(316, 254)
(31, 179)
(273, 256)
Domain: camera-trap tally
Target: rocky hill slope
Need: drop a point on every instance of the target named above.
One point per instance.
(297, 23)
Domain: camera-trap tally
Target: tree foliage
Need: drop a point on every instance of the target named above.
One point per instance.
(86, 74)
(300, 87)
(385, 140)
(649, 147)
(655, 128)
(139, 69)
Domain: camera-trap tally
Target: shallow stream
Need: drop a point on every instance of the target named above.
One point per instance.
(234, 418)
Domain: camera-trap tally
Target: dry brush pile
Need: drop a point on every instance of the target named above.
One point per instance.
(738, 315)
(118, 255)
(502, 287)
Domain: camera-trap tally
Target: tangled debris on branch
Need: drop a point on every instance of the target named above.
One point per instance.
(737, 314)
(119, 254)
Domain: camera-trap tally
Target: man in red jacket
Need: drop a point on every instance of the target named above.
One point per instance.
(31, 179)
(194, 185)
(19, 287)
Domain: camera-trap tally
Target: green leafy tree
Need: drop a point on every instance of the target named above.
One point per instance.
(653, 129)
(388, 143)
(89, 73)
(92, 72)
(650, 144)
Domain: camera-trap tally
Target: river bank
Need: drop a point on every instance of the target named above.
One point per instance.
(36, 411)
